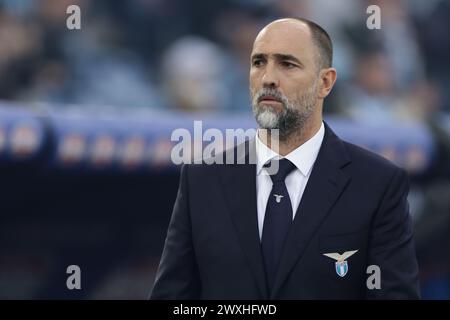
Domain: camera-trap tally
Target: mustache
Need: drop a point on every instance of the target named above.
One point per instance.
(265, 92)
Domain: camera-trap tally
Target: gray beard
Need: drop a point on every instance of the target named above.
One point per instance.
(294, 116)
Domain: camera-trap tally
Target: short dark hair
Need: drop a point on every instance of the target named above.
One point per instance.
(322, 40)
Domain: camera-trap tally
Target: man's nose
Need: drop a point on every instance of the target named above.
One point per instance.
(270, 77)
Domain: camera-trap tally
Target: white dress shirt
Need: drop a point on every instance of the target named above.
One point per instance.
(303, 158)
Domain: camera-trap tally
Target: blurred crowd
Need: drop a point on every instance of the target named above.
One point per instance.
(194, 55)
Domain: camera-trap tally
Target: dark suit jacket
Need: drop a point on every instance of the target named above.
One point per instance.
(354, 200)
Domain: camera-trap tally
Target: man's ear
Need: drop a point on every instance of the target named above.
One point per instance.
(327, 78)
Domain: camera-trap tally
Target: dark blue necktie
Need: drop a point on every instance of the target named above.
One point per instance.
(277, 219)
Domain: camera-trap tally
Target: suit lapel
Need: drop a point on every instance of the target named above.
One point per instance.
(325, 185)
(239, 185)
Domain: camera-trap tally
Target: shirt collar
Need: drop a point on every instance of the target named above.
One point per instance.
(303, 157)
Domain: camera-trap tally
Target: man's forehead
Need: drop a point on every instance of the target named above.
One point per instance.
(286, 28)
(276, 49)
(286, 36)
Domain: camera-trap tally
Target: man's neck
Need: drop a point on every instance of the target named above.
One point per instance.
(295, 140)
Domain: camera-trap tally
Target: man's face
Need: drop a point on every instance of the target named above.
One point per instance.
(283, 77)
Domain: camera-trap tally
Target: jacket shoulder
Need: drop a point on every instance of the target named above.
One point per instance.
(371, 163)
(242, 153)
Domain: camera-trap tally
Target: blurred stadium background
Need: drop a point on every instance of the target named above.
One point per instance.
(86, 118)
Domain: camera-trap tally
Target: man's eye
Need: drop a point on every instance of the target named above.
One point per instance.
(257, 63)
(287, 64)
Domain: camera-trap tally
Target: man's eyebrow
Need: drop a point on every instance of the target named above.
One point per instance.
(259, 56)
(278, 56)
(289, 57)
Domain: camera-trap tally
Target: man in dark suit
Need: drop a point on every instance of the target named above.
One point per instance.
(330, 222)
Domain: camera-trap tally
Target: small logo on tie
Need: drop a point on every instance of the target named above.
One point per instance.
(278, 197)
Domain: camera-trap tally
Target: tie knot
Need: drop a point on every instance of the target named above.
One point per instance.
(284, 168)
